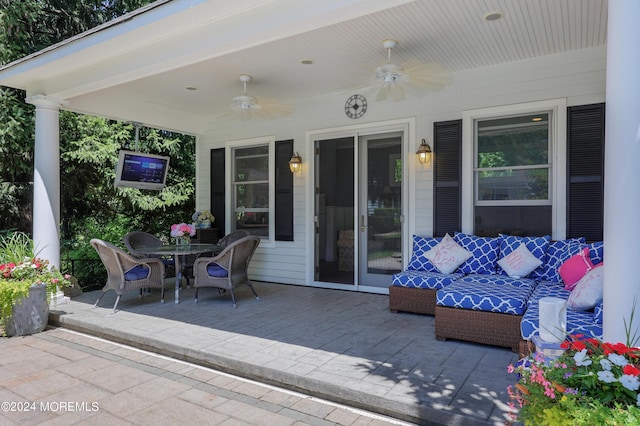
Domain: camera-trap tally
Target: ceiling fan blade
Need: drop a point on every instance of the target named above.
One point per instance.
(430, 76)
(397, 93)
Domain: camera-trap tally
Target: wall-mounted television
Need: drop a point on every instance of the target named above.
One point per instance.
(140, 170)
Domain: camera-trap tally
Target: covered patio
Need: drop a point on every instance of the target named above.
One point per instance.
(175, 65)
(341, 346)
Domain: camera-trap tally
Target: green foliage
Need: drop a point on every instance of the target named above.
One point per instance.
(90, 204)
(20, 269)
(16, 247)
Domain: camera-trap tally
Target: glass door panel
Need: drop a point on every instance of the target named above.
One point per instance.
(380, 209)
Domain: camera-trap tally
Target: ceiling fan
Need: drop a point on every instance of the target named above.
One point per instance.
(391, 79)
(250, 107)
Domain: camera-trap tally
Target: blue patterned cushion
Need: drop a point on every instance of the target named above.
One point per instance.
(139, 272)
(499, 280)
(421, 245)
(484, 293)
(537, 246)
(215, 270)
(484, 253)
(423, 279)
(596, 252)
(581, 322)
(557, 253)
(598, 313)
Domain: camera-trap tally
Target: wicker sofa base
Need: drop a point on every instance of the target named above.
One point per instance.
(407, 299)
(489, 328)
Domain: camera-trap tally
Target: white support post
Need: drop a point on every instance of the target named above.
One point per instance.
(622, 174)
(46, 183)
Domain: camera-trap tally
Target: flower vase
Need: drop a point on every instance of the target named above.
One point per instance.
(31, 314)
(184, 241)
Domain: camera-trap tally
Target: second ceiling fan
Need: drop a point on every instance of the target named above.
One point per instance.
(249, 107)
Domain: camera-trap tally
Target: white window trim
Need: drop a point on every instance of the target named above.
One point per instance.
(229, 188)
(557, 156)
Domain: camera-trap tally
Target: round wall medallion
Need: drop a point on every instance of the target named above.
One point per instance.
(356, 106)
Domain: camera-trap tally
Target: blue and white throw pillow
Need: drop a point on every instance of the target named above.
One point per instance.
(484, 253)
(558, 252)
(596, 252)
(537, 246)
(418, 261)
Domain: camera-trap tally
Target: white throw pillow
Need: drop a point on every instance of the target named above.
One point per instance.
(520, 262)
(589, 290)
(447, 255)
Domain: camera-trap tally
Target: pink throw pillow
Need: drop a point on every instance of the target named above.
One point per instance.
(574, 268)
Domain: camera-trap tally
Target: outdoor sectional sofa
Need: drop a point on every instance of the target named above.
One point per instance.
(480, 302)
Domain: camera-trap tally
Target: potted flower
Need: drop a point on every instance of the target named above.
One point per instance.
(203, 218)
(592, 382)
(26, 285)
(183, 232)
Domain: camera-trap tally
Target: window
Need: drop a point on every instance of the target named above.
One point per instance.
(512, 175)
(251, 196)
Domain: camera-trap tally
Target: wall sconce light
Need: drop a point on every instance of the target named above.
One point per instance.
(295, 164)
(424, 152)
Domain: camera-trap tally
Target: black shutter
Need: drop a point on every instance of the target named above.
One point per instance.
(447, 151)
(217, 185)
(585, 171)
(284, 192)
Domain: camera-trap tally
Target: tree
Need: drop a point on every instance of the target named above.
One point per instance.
(89, 145)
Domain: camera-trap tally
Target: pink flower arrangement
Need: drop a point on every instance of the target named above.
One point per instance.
(591, 378)
(183, 229)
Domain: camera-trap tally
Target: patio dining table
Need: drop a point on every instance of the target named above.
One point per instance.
(179, 253)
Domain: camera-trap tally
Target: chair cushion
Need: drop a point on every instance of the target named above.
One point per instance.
(422, 279)
(421, 245)
(139, 272)
(215, 270)
(484, 253)
(490, 293)
(578, 322)
(598, 313)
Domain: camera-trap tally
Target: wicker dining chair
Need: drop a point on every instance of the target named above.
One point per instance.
(233, 236)
(126, 273)
(137, 239)
(227, 270)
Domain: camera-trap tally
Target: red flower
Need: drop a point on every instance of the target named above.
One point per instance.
(621, 348)
(631, 370)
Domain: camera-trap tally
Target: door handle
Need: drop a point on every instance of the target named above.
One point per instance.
(362, 225)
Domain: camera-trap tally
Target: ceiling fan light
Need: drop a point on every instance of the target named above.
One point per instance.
(390, 78)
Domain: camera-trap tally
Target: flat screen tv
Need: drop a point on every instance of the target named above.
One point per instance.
(140, 170)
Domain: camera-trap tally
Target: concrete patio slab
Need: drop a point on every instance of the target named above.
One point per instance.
(342, 346)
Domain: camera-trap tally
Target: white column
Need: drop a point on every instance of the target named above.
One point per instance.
(46, 182)
(622, 171)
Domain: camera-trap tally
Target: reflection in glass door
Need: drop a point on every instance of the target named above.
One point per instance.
(380, 209)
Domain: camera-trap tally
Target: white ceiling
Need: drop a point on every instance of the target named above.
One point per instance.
(207, 44)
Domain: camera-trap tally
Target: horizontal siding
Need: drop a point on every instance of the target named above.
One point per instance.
(578, 76)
